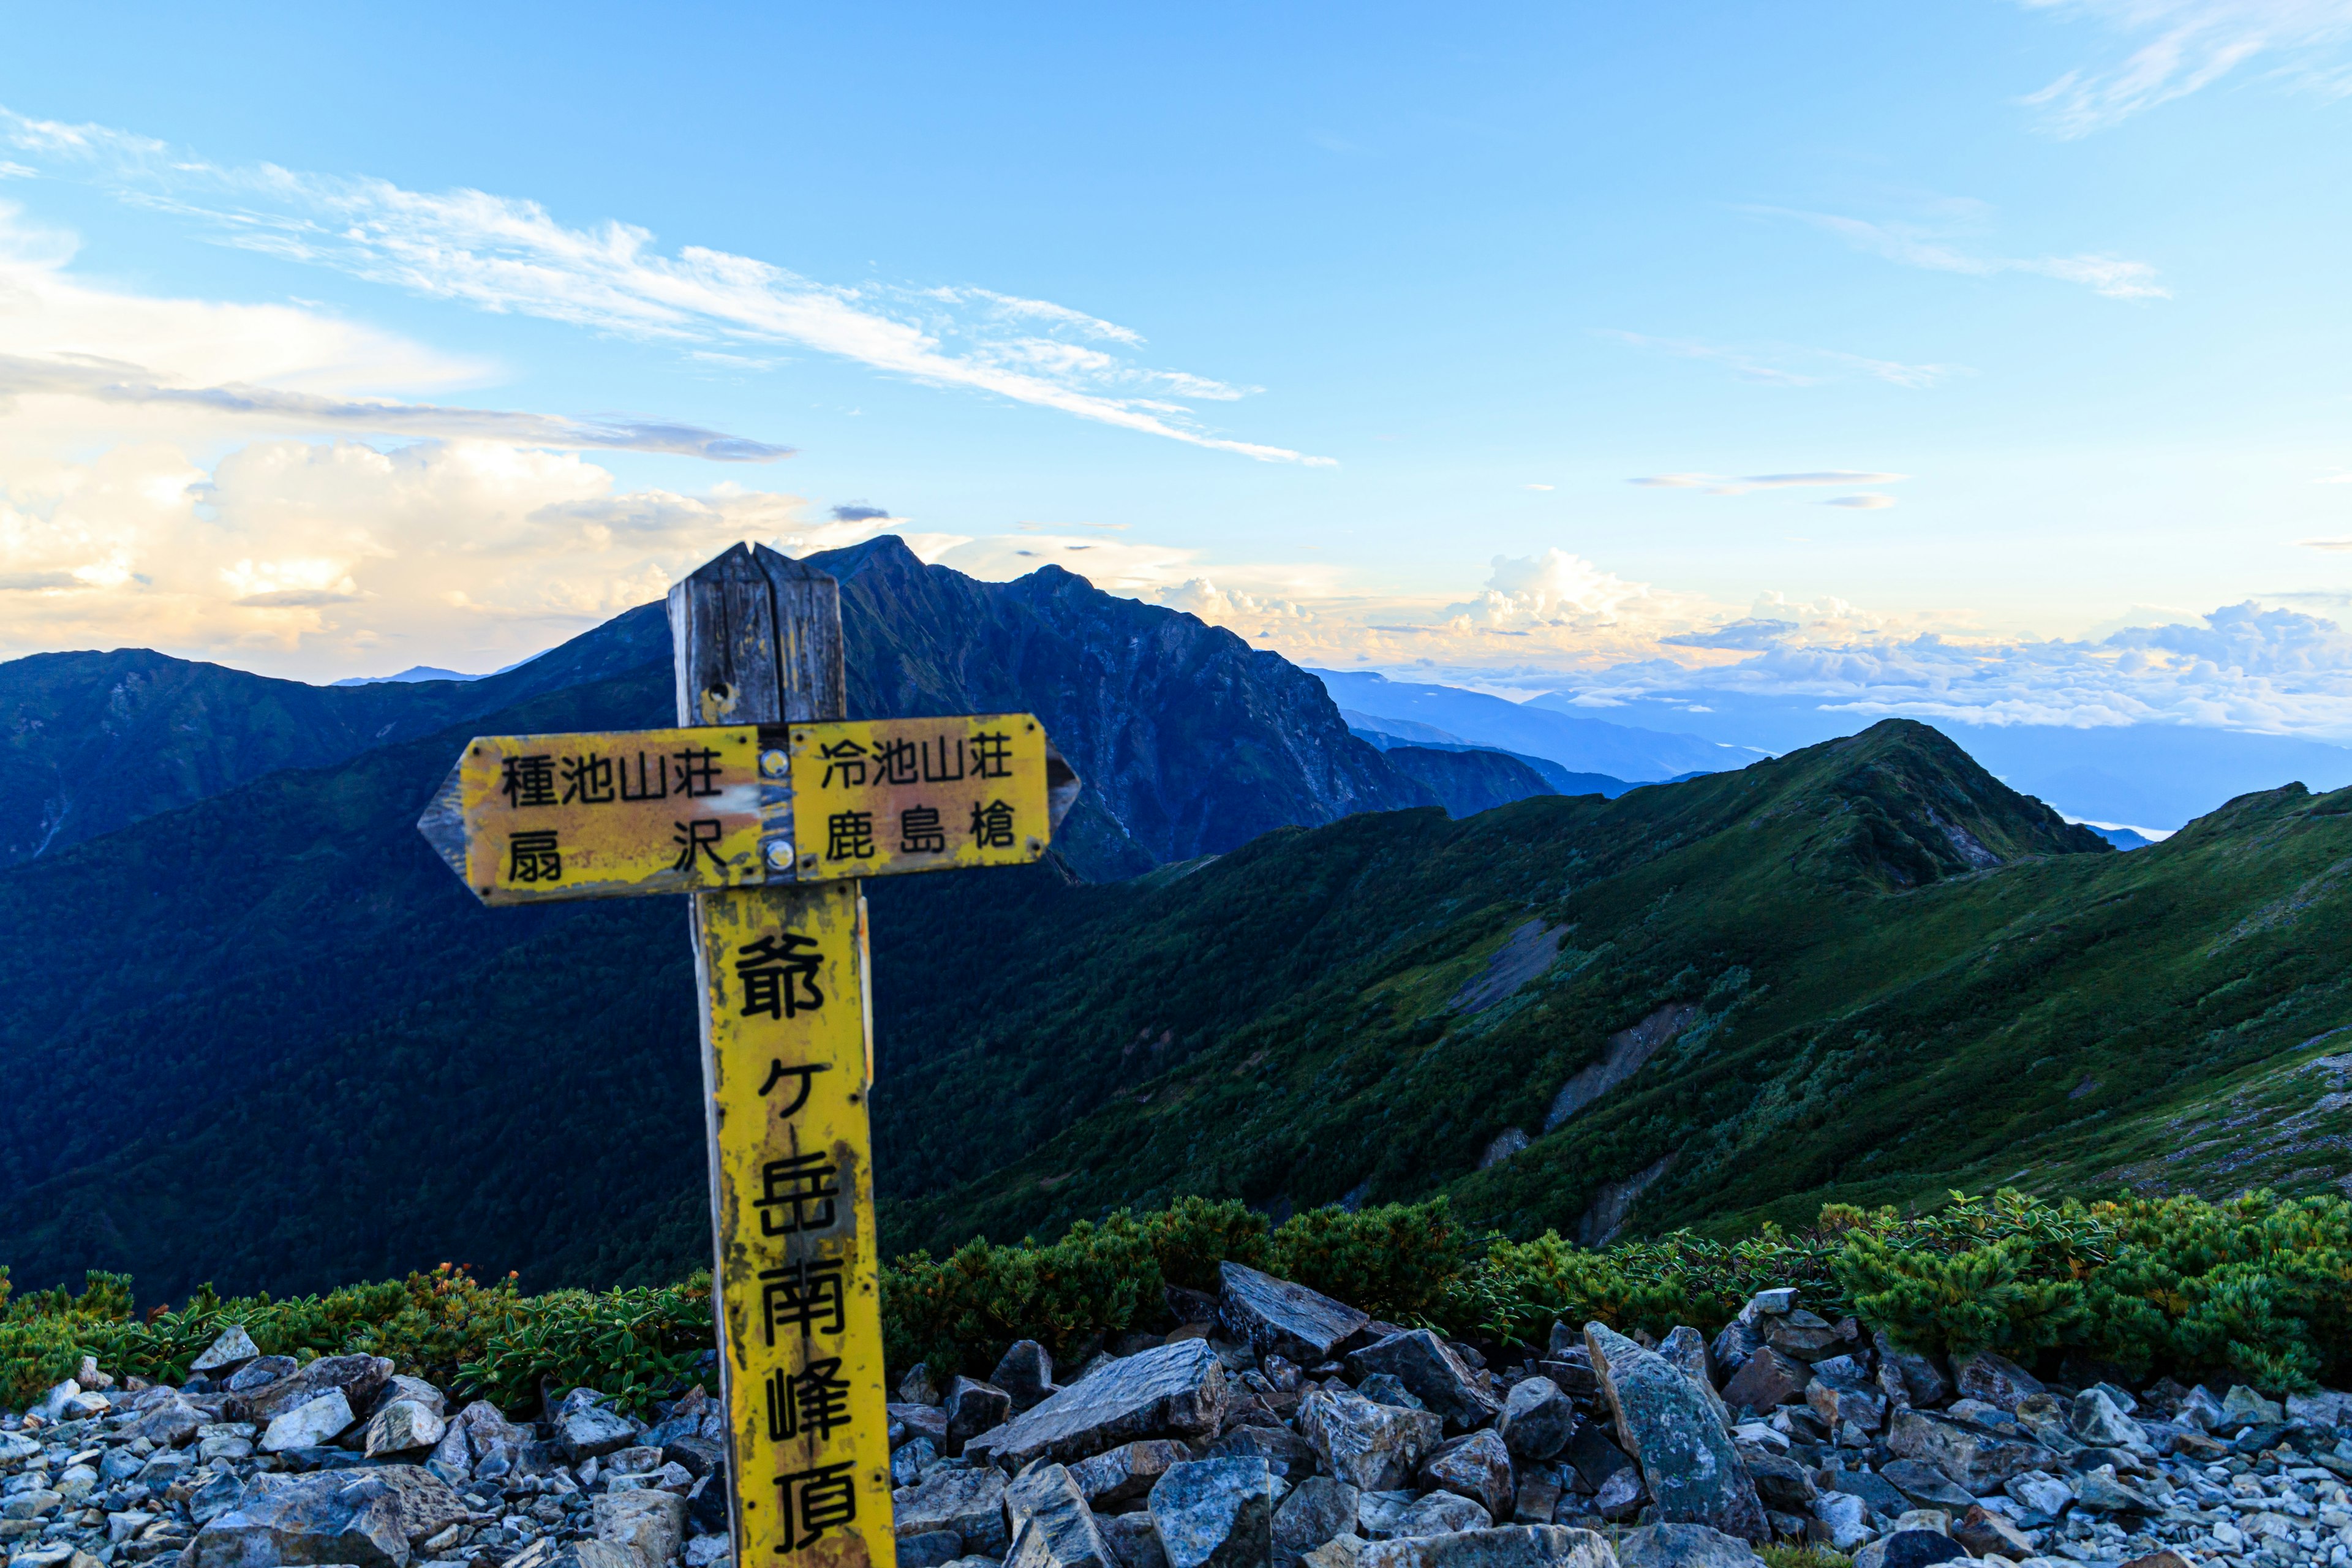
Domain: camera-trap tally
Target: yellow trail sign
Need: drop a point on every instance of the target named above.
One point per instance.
(800, 1319)
(875, 798)
(528, 819)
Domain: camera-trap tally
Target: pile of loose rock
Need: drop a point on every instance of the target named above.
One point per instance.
(1281, 1427)
(1275, 1426)
(258, 1461)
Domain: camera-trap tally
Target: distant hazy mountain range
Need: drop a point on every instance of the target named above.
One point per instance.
(2149, 775)
(1574, 741)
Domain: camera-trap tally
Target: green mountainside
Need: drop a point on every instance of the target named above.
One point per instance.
(264, 1038)
(1864, 972)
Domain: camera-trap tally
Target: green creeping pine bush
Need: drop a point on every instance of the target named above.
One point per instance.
(484, 1341)
(2253, 1289)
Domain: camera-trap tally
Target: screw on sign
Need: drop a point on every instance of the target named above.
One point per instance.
(768, 806)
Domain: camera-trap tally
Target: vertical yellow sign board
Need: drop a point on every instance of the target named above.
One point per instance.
(799, 1313)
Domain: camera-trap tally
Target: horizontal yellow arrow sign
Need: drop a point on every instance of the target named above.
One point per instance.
(525, 818)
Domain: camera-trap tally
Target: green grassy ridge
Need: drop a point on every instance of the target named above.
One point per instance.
(2257, 1290)
(1881, 1019)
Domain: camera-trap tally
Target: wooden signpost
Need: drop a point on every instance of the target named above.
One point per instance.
(768, 806)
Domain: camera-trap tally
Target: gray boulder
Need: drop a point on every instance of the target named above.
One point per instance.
(1593, 1456)
(372, 1518)
(1910, 1549)
(1538, 1420)
(587, 1431)
(933, 1549)
(1025, 1374)
(2102, 1492)
(1132, 1541)
(320, 1419)
(1215, 1513)
(1432, 1373)
(1685, 1347)
(356, 1377)
(1687, 1458)
(1176, 1389)
(1684, 1546)
(1052, 1526)
(973, 1407)
(2095, 1418)
(1477, 1467)
(1996, 1380)
(651, 1520)
(403, 1427)
(1318, 1510)
(166, 1423)
(1285, 1453)
(1275, 1317)
(1924, 1383)
(1767, 1379)
(1117, 1477)
(231, 1351)
(1780, 1482)
(969, 1501)
(1442, 1513)
(1978, 1461)
(1838, 1400)
(1372, 1447)
(1923, 1485)
(1505, 1546)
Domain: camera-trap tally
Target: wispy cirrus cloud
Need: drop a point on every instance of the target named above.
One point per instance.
(2186, 45)
(508, 255)
(1785, 364)
(130, 385)
(1722, 485)
(1935, 249)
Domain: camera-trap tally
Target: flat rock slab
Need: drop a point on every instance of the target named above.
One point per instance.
(1275, 1317)
(1507, 1546)
(315, 1421)
(1977, 1461)
(1687, 1458)
(356, 1376)
(1176, 1389)
(1684, 1546)
(368, 1517)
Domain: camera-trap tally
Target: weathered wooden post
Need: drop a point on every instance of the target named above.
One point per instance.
(787, 1056)
(769, 807)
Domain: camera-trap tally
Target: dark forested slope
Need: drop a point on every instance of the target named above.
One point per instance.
(1864, 970)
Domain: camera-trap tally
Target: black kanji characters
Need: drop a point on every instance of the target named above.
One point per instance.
(806, 1295)
(527, 781)
(534, 857)
(808, 1404)
(992, 825)
(920, 832)
(796, 1194)
(849, 835)
(846, 758)
(652, 780)
(816, 1499)
(699, 836)
(992, 756)
(778, 1072)
(588, 780)
(895, 762)
(694, 770)
(779, 976)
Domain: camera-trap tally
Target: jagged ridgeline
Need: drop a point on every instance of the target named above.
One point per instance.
(262, 1038)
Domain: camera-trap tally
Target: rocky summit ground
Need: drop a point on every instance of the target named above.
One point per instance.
(1273, 1426)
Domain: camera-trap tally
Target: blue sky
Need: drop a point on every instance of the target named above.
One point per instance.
(1987, 348)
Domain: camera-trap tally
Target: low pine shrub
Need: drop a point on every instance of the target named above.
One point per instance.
(2254, 1289)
